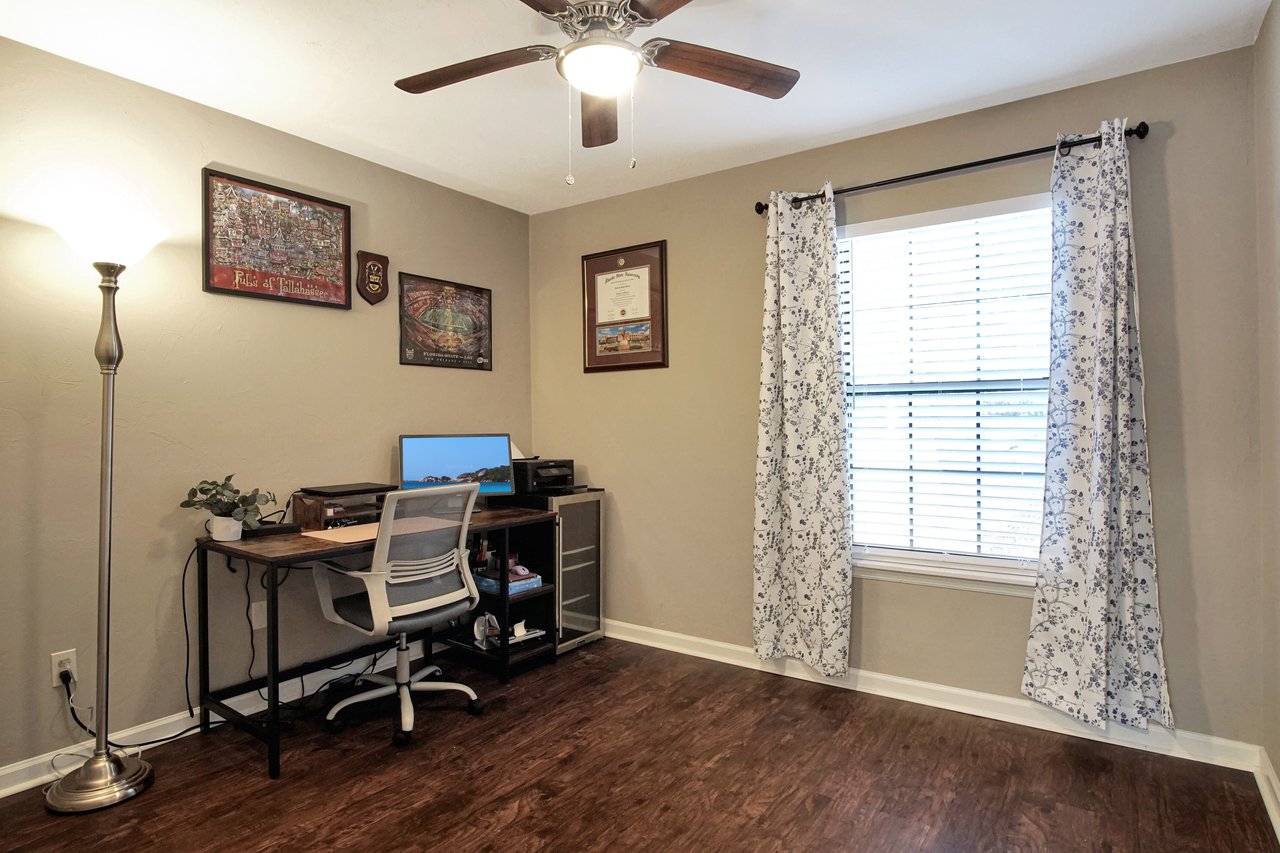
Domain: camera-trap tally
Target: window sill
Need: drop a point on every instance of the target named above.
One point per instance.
(994, 577)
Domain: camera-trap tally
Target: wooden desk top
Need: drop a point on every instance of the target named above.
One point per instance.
(508, 516)
(288, 548)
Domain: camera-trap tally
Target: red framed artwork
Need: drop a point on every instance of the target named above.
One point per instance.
(624, 300)
(273, 243)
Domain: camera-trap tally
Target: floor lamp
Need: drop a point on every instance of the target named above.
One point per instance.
(106, 778)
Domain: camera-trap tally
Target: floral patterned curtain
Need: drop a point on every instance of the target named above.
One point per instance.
(1094, 648)
(803, 539)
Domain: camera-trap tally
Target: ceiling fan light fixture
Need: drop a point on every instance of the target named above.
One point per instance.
(599, 65)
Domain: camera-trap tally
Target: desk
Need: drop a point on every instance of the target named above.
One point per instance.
(294, 550)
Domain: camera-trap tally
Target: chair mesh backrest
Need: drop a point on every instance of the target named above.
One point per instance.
(420, 538)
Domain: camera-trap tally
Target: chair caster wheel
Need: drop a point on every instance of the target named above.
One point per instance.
(335, 725)
(475, 707)
(401, 738)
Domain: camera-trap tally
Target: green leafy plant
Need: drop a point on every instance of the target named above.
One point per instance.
(224, 499)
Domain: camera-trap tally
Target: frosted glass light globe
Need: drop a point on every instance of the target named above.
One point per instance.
(602, 66)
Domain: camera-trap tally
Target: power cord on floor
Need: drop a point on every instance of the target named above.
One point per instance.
(65, 678)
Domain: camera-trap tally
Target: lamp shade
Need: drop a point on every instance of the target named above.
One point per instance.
(601, 65)
(98, 236)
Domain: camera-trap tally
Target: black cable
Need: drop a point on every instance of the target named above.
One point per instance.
(262, 582)
(248, 618)
(186, 636)
(301, 702)
(66, 686)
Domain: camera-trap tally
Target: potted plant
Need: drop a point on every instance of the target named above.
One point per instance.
(231, 510)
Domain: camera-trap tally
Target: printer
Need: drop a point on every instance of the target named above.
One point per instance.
(544, 476)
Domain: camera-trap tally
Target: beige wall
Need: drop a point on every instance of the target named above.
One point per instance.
(675, 447)
(1267, 93)
(282, 395)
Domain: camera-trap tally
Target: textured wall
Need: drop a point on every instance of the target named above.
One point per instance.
(1267, 95)
(676, 446)
(282, 395)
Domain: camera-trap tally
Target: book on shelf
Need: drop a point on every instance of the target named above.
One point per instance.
(489, 582)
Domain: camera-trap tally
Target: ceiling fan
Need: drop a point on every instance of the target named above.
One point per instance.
(601, 63)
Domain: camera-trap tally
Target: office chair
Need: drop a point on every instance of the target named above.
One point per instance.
(418, 578)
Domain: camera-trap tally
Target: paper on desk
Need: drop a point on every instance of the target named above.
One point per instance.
(346, 535)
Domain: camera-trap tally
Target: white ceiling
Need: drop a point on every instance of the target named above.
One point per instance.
(323, 70)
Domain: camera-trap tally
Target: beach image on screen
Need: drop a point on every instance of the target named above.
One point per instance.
(440, 460)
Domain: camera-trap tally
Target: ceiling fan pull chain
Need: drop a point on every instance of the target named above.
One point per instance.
(568, 179)
(633, 124)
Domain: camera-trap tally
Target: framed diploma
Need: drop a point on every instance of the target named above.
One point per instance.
(624, 299)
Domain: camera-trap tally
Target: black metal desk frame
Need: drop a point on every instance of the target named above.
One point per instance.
(274, 553)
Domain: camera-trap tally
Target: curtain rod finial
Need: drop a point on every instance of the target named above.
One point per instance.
(761, 207)
(1140, 131)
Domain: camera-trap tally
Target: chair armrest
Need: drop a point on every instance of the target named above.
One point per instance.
(349, 580)
(473, 594)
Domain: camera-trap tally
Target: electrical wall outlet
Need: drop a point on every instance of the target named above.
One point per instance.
(58, 661)
(258, 615)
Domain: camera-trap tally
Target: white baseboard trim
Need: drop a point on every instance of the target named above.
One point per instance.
(1183, 744)
(1269, 785)
(31, 772)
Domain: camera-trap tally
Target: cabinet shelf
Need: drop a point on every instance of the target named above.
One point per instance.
(516, 653)
(545, 589)
(514, 537)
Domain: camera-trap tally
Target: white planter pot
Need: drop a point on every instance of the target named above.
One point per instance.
(224, 529)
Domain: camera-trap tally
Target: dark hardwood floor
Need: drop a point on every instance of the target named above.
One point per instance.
(622, 747)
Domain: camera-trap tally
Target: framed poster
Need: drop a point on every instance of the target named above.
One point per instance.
(445, 324)
(272, 243)
(624, 299)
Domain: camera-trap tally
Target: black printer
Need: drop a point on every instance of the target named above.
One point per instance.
(544, 476)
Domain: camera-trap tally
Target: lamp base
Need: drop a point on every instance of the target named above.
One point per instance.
(102, 781)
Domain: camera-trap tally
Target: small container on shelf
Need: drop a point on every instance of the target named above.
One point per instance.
(490, 583)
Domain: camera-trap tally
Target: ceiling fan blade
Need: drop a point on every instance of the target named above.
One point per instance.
(599, 120)
(657, 9)
(741, 72)
(550, 7)
(428, 80)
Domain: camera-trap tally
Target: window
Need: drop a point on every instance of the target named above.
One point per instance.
(945, 321)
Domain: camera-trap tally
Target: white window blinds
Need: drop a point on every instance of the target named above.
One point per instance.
(946, 336)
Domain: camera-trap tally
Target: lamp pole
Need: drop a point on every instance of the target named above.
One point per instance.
(105, 778)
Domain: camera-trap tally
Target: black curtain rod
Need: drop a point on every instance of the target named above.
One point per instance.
(1140, 131)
